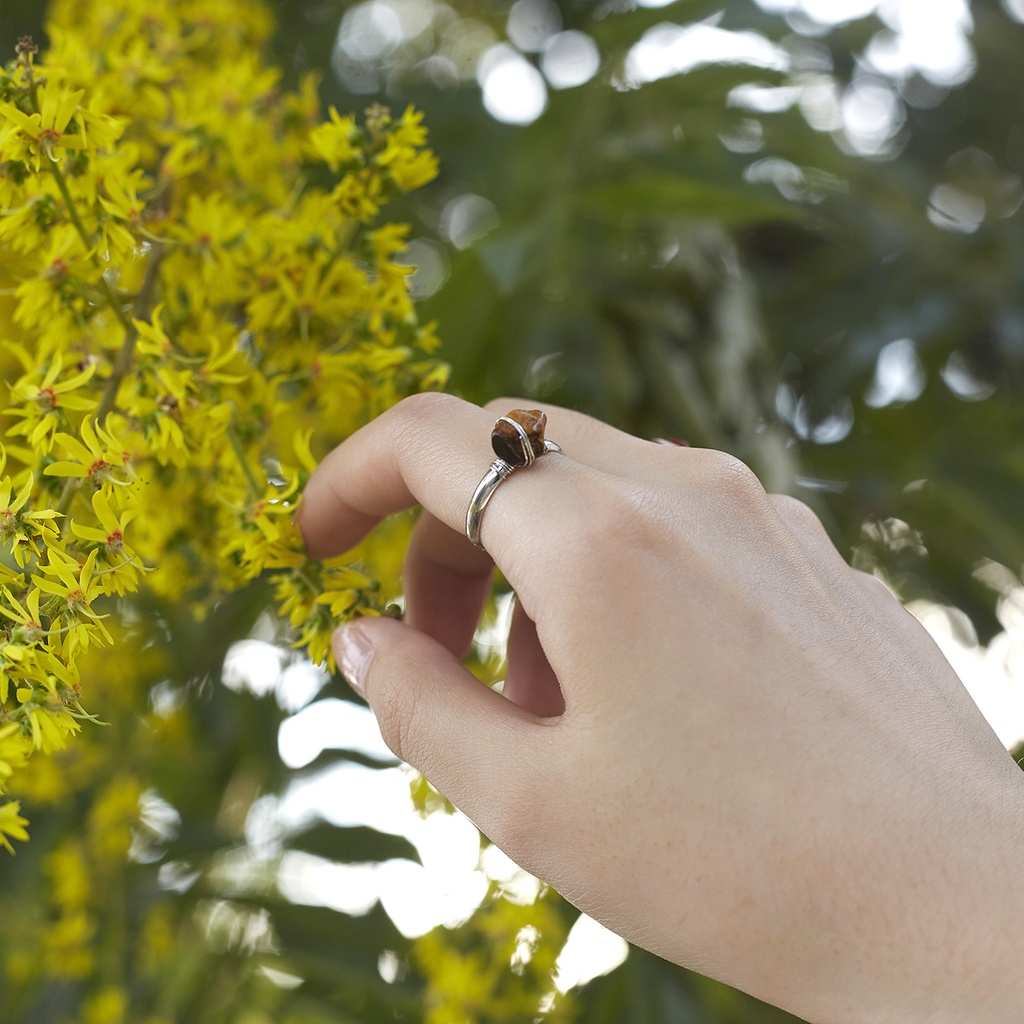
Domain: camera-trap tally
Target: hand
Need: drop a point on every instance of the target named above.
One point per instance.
(715, 737)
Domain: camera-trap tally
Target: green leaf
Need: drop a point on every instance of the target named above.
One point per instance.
(619, 31)
(353, 845)
(701, 89)
(668, 196)
(331, 756)
(513, 254)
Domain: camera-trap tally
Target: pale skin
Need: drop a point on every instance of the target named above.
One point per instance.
(715, 737)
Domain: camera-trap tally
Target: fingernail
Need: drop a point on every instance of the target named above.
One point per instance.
(353, 652)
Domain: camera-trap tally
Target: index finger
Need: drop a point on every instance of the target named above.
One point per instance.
(433, 449)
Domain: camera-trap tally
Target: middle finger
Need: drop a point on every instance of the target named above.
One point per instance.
(447, 579)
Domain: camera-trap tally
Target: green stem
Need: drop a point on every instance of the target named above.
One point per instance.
(69, 202)
(243, 462)
(62, 182)
(79, 225)
(66, 497)
(123, 360)
(76, 220)
(311, 585)
(141, 311)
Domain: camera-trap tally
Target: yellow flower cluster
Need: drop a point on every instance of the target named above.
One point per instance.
(468, 973)
(92, 853)
(191, 281)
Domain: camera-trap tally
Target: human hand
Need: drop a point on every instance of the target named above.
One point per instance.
(714, 737)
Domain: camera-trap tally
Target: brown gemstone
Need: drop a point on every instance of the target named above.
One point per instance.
(507, 442)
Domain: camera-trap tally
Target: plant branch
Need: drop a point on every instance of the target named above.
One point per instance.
(140, 311)
(243, 462)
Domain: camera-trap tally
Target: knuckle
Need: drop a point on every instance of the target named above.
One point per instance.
(412, 416)
(873, 586)
(413, 411)
(733, 480)
(606, 518)
(797, 513)
(629, 513)
(808, 530)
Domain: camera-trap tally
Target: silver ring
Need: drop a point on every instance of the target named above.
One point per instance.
(517, 440)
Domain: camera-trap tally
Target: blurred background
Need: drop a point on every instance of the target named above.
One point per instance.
(790, 229)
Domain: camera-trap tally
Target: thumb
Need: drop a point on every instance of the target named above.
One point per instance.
(433, 713)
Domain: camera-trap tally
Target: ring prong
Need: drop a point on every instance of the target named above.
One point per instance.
(517, 440)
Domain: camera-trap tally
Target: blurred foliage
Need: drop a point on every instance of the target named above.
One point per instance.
(845, 315)
(669, 259)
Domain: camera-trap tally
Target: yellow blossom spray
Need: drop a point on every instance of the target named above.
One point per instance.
(192, 282)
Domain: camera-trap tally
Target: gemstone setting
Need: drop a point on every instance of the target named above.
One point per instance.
(518, 438)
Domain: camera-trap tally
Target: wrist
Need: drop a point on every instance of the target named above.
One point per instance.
(931, 929)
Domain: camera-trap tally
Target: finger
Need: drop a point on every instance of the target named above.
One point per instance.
(806, 528)
(599, 445)
(431, 449)
(446, 578)
(530, 681)
(447, 581)
(465, 738)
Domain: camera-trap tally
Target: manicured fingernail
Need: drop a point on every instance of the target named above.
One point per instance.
(353, 652)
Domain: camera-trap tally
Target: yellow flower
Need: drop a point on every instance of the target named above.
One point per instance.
(12, 186)
(28, 619)
(64, 275)
(359, 195)
(20, 528)
(11, 824)
(108, 1006)
(211, 223)
(188, 301)
(14, 751)
(68, 945)
(102, 458)
(47, 129)
(51, 729)
(76, 590)
(265, 536)
(125, 210)
(123, 575)
(112, 818)
(70, 876)
(58, 394)
(48, 401)
(386, 242)
(151, 338)
(408, 165)
(337, 142)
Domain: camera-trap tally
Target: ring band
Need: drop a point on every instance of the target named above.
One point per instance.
(517, 440)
